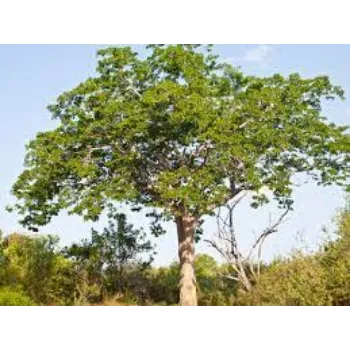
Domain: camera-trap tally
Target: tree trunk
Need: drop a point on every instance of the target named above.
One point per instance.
(186, 225)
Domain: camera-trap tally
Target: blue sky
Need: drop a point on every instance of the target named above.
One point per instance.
(33, 75)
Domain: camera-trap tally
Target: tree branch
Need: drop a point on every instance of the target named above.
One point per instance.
(227, 245)
(268, 231)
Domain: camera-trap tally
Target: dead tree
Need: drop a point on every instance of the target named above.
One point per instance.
(246, 267)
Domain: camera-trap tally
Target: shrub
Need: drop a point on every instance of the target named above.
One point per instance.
(34, 264)
(213, 288)
(14, 297)
(212, 285)
(299, 281)
(335, 260)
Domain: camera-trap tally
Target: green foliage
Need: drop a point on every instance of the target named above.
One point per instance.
(106, 263)
(322, 278)
(300, 281)
(179, 130)
(33, 263)
(163, 284)
(3, 262)
(61, 286)
(87, 291)
(213, 288)
(14, 297)
(335, 260)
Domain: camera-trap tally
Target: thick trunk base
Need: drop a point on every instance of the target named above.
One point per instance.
(186, 229)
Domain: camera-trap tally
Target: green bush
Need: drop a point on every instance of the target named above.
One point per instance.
(4, 275)
(34, 264)
(335, 260)
(299, 281)
(212, 285)
(162, 284)
(14, 297)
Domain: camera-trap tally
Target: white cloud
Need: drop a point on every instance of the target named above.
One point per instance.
(260, 55)
(347, 111)
(232, 60)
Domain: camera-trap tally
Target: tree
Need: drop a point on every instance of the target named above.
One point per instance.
(245, 268)
(182, 132)
(107, 255)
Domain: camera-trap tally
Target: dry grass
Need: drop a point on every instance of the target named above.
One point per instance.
(117, 300)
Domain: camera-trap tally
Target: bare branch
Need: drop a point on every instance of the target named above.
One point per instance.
(215, 246)
(268, 231)
(245, 268)
(237, 201)
(231, 277)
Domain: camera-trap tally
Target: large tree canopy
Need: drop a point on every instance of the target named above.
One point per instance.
(180, 131)
(177, 130)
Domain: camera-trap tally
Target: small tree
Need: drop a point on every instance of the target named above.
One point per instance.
(182, 132)
(108, 254)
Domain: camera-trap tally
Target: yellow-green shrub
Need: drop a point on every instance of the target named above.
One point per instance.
(298, 281)
(14, 297)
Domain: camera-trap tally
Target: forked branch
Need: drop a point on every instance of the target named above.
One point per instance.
(246, 267)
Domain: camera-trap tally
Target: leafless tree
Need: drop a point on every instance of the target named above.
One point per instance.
(246, 267)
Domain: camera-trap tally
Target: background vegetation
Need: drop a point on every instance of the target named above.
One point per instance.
(114, 267)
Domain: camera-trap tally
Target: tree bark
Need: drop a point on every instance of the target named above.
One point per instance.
(186, 225)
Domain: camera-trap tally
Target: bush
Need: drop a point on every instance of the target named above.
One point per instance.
(212, 285)
(322, 278)
(3, 263)
(335, 260)
(60, 287)
(162, 284)
(34, 264)
(14, 297)
(299, 281)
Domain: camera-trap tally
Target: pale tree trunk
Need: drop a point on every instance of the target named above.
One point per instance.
(186, 225)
